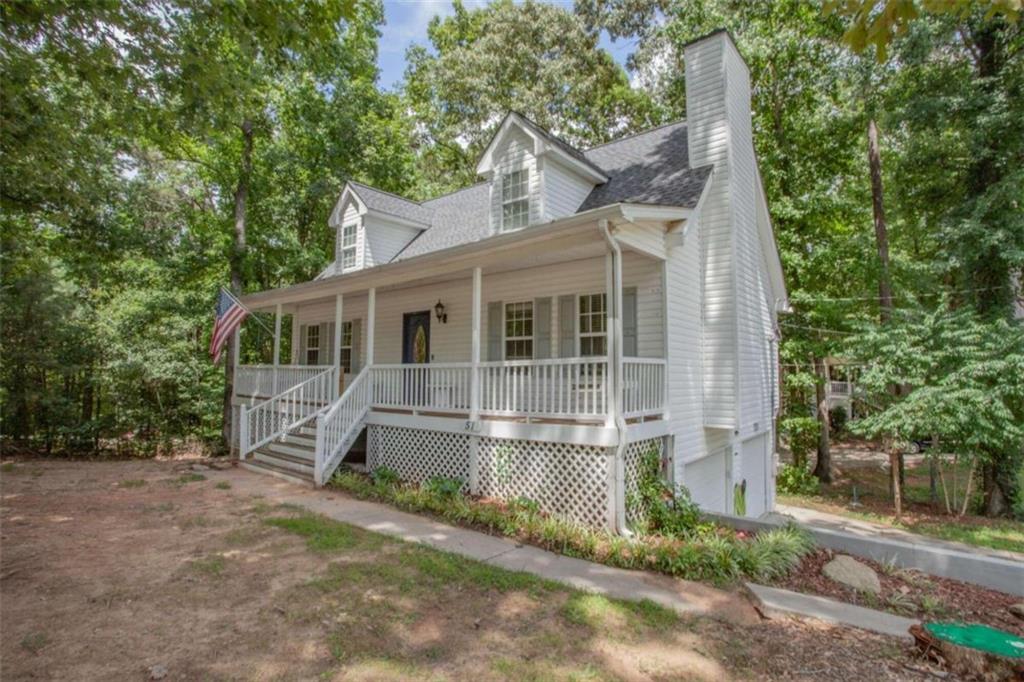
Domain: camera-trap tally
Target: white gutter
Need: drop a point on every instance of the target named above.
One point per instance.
(615, 364)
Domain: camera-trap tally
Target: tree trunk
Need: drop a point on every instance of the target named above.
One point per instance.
(237, 262)
(881, 231)
(897, 491)
(823, 467)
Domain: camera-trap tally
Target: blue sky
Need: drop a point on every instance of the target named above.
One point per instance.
(406, 23)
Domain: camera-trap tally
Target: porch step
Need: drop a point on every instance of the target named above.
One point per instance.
(273, 470)
(290, 449)
(295, 465)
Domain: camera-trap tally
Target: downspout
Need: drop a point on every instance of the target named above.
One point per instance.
(615, 365)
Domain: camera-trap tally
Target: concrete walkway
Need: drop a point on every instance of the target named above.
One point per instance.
(688, 598)
(820, 519)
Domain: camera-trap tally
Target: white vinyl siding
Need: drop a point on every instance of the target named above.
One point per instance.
(592, 325)
(516, 154)
(384, 239)
(519, 330)
(564, 189)
(452, 342)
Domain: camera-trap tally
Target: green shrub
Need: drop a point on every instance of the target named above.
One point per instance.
(801, 434)
(384, 476)
(837, 420)
(658, 507)
(444, 487)
(683, 546)
(796, 480)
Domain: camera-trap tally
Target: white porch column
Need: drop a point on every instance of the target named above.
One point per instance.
(336, 343)
(474, 384)
(277, 344)
(295, 360)
(612, 305)
(474, 387)
(371, 316)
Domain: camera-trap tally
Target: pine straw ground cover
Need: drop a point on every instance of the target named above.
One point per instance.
(674, 540)
(910, 593)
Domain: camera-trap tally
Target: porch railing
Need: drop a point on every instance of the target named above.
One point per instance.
(271, 418)
(267, 380)
(438, 386)
(643, 387)
(548, 388)
(840, 388)
(339, 426)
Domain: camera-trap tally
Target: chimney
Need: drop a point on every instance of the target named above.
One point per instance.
(719, 134)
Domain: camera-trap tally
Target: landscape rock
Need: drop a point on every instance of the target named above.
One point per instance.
(200, 467)
(1018, 609)
(158, 672)
(848, 571)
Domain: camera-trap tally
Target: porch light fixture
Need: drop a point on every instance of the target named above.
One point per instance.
(439, 310)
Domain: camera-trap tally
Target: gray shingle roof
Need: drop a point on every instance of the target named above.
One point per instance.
(648, 168)
(392, 204)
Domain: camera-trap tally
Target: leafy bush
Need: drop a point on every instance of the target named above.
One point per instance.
(444, 487)
(796, 480)
(684, 546)
(837, 420)
(801, 434)
(660, 508)
(383, 476)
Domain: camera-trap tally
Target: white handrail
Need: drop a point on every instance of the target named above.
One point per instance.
(275, 416)
(268, 380)
(340, 424)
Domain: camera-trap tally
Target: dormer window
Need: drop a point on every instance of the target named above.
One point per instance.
(348, 246)
(515, 202)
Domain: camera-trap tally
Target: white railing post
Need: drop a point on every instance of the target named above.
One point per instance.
(336, 345)
(474, 383)
(318, 458)
(371, 318)
(243, 432)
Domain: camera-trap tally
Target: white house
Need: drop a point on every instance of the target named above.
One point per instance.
(537, 333)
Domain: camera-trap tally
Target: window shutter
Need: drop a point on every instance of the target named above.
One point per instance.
(542, 328)
(495, 322)
(357, 345)
(566, 326)
(326, 344)
(629, 326)
(302, 344)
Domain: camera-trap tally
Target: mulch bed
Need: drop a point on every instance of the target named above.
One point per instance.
(910, 593)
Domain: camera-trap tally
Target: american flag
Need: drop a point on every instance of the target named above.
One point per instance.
(227, 318)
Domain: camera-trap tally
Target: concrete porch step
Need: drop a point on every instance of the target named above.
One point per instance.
(270, 469)
(290, 449)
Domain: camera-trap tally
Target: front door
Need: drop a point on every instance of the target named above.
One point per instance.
(416, 337)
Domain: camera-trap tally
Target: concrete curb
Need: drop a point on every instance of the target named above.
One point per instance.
(992, 572)
(775, 601)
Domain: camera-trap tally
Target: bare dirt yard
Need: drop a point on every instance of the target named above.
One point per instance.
(140, 570)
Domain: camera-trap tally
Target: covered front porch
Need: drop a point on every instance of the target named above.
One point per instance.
(534, 367)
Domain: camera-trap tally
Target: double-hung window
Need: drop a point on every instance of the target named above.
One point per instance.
(515, 202)
(593, 325)
(346, 347)
(313, 344)
(348, 246)
(519, 331)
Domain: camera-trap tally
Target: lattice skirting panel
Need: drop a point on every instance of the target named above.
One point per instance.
(633, 460)
(417, 454)
(569, 480)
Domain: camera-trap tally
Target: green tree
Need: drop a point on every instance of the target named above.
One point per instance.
(533, 58)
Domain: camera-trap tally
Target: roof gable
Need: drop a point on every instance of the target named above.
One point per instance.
(543, 143)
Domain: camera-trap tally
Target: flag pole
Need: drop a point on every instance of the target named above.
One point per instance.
(252, 315)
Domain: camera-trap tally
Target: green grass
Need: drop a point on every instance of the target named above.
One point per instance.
(132, 483)
(212, 565)
(223, 485)
(7, 467)
(321, 534)
(601, 613)
(190, 478)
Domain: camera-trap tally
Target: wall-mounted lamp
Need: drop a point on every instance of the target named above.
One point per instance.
(439, 310)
